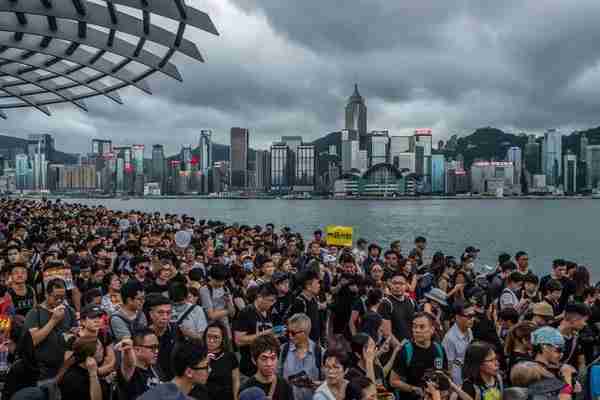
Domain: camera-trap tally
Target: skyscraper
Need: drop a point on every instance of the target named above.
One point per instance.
(47, 144)
(238, 156)
(378, 148)
(583, 144)
(281, 168)
(398, 145)
(438, 173)
(570, 173)
(304, 181)
(263, 170)
(356, 117)
(350, 148)
(206, 160)
(101, 147)
(552, 157)
(513, 155)
(593, 167)
(159, 166)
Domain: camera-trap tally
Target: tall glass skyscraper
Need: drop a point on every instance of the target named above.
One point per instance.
(238, 157)
(438, 173)
(552, 157)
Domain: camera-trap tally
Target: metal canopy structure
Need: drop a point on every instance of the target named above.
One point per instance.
(65, 51)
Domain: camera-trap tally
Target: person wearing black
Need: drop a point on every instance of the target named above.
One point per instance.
(418, 356)
(307, 302)
(281, 281)
(397, 309)
(161, 283)
(141, 267)
(224, 378)
(159, 309)
(575, 319)
(264, 352)
(80, 379)
(23, 296)
(254, 321)
(559, 273)
(137, 374)
(48, 324)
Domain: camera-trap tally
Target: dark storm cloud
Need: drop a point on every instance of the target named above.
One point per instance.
(284, 67)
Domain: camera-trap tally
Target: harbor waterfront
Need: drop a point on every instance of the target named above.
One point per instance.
(546, 229)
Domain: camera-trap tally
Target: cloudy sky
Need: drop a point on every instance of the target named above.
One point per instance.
(283, 67)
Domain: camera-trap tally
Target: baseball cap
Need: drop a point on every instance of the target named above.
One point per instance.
(91, 311)
(547, 335)
(543, 309)
(471, 249)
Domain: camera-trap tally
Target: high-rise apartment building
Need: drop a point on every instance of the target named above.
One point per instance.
(239, 158)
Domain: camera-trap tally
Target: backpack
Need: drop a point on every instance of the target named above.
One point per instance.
(179, 335)
(131, 325)
(408, 347)
(285, 349)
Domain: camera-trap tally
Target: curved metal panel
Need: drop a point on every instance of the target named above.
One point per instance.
(55, 34)
(79, 56)
(68, 30)
(61, 69)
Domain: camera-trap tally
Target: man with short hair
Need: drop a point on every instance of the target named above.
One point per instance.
(265, 354)
(575, 319)
(191, 368)
(129, 317)
(458, 339)
(559, 273)
(48, 324)
(307, 302)
(553, 293)
(416, 357)
(300, 356)
(397, 309)
(216, 298)
(254, 321)
(522, 259)
(159, 310)
(139, 356)
(189, 318)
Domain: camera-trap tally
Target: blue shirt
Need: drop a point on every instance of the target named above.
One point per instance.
(292, 365)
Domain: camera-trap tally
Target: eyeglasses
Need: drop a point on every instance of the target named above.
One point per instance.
(154, 347)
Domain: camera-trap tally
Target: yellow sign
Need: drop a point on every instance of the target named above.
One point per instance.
(339, 235)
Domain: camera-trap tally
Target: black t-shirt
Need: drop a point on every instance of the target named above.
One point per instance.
(251, 322)
(75, 384)
(156, 287)
(400, 312)
(311, 309)
(140, 382)
(23, 304)
(219, 383)
(422, 360)
(166, 343)
(283, 390)
(201, 392)
(572, 351)
(280, 308)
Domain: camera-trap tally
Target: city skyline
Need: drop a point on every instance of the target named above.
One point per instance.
(454, 69)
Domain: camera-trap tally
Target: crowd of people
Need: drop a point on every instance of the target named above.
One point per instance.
(100, 304)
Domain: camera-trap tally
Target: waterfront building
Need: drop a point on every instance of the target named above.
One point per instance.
(356, 117)
(159, 166)
(456, 179)
(281, 168)
(305, 160)
(239, 158)
(593, 167)
(423, 138)
(398, 145)
(438, 173)
(514, 155)
(101, 147)
(407, 162)
(137, 155)
(46, 144)
(350, 150)
(583, 144)
(22, 172)
(263, 170)
(570, 173)
(420, 160)
(381, 180)
(488, 176)
(378, 148)
(552, 157)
